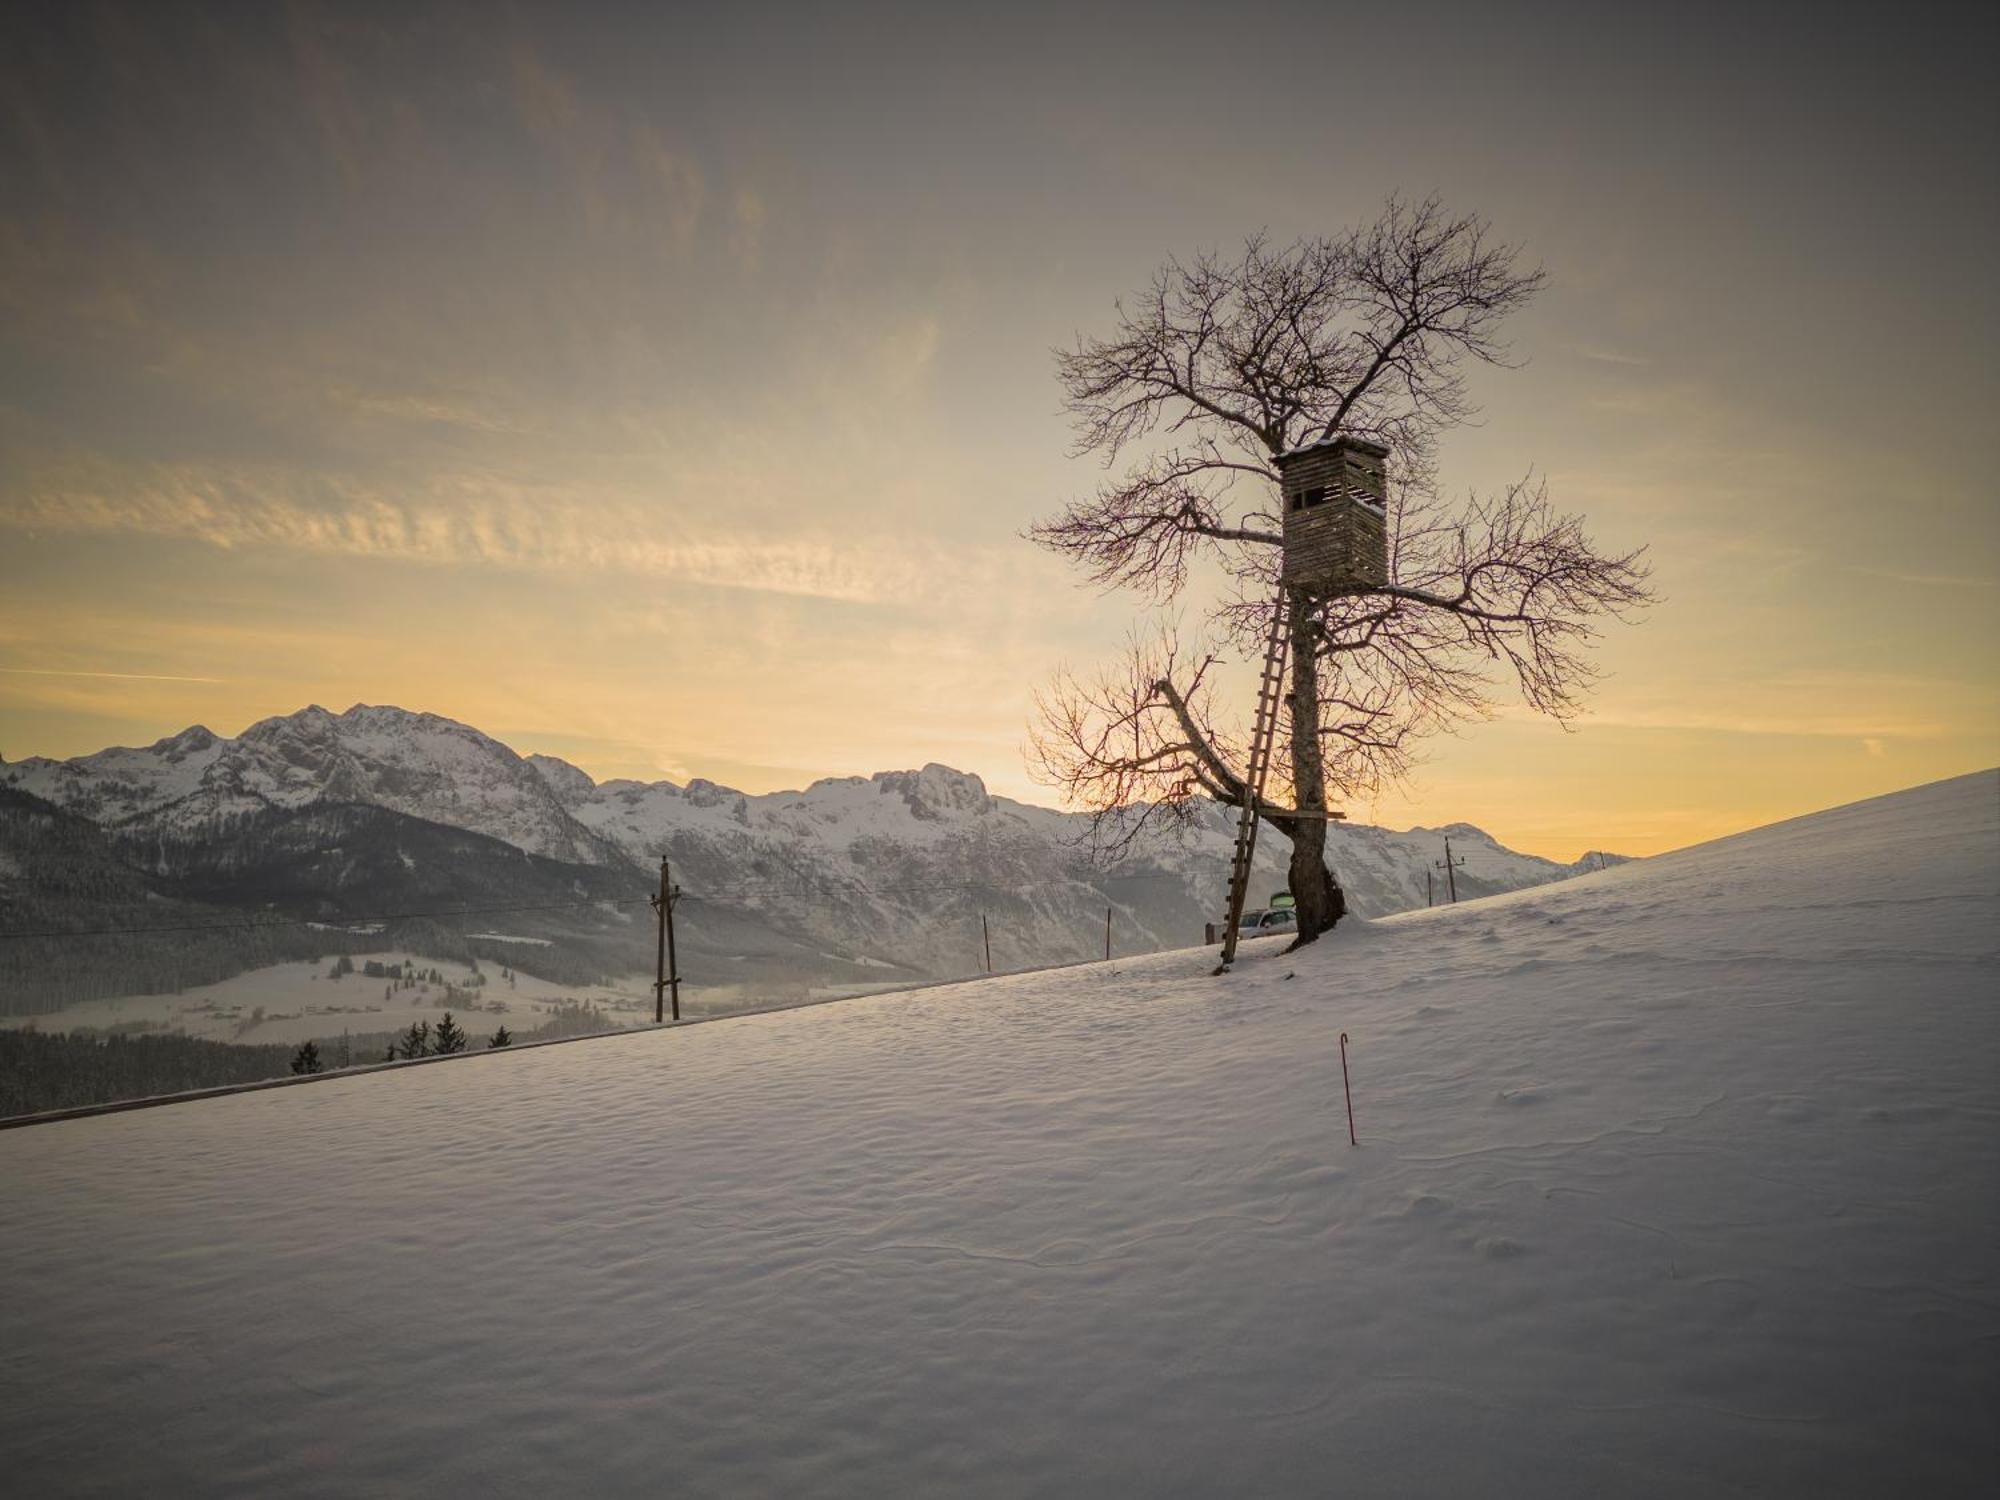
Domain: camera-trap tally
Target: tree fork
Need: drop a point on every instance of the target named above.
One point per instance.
(1213, 774)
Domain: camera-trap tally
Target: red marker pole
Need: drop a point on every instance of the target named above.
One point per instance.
(1350, 1090)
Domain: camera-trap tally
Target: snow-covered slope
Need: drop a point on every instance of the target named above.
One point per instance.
(1679, 1179)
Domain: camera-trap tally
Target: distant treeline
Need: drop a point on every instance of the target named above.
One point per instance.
(41, 1071)
(64, 1070)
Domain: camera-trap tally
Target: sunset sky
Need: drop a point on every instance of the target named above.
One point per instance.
(669, 391)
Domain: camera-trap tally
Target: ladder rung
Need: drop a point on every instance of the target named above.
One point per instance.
(1263, 743)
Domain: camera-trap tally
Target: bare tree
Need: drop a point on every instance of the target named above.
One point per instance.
(1220, 367)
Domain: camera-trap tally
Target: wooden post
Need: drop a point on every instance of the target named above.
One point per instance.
(673, 962)
(1427, 889)
(1349, 1088)
(1107, 934)
(660, 949)
(1450, 868)
(986, 937)
(666, 967)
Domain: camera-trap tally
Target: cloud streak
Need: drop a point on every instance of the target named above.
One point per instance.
(115, 676)
(478, 521)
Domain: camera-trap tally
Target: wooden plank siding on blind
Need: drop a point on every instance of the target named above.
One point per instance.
(1336, 535)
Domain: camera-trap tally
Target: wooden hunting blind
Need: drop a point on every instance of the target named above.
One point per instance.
(1336, 520)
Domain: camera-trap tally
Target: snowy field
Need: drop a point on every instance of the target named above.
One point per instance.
(1679, 1179)
(293, 1001)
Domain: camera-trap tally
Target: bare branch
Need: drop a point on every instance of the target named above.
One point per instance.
(1509, 580)
(1223, 365)
(1143, 531)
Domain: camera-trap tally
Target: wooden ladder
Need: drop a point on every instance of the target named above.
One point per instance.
(1262, 736)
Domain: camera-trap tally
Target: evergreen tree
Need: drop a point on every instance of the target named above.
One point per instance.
(306, 1059)
(417, 1040)
(450, 1037)
(501, 1038)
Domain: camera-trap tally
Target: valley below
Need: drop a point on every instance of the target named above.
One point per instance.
(222, 890)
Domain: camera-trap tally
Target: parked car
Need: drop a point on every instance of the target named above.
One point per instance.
(1262, 922)
(1277, 919)
(1259, 922)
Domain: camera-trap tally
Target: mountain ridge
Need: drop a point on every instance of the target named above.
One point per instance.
(916, 871)
(314, 754)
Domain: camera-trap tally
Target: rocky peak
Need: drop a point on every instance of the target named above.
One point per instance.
(570, 784)
(311, 720)
(936, 792)
(701, 792)
(190, 741)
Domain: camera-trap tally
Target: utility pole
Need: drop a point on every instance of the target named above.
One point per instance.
(1450, 867)
(667, 969)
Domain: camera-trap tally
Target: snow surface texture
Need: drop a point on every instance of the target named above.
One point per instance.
(1682, 1178)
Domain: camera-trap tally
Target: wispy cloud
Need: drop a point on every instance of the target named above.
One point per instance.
(410, 406)
(1804, 724)
(544, 98)
(1929, 580)
(482, 521)
(1613, 357)
(116, 676)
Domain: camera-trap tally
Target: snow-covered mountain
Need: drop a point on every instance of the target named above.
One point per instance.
(415, 763)
(896, 854)
(434, 768)
(908, 871)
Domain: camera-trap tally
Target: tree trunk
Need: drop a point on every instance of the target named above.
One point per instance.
(1317, 893)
